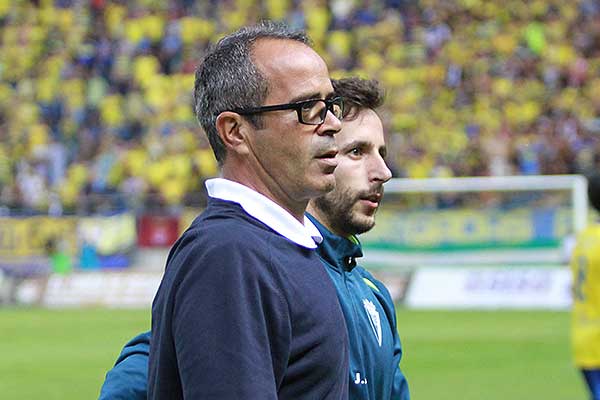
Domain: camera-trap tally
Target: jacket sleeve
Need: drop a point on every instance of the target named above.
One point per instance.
(400, 389)
(128, 379)
(400, 385)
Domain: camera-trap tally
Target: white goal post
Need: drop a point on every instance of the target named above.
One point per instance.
(576, 184)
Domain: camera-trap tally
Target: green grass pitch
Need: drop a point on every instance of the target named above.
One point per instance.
(463, 355)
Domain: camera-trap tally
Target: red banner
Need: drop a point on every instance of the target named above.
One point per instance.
(157, 231)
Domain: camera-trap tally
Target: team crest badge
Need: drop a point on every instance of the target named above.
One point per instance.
(374, 319)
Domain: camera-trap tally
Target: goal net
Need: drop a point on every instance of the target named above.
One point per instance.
(477, 220)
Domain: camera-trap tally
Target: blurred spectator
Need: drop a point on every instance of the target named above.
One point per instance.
(59, 258)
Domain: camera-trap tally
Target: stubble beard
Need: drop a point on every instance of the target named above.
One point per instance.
(338, 207)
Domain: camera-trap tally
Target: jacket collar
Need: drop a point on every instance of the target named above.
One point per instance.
(266, 211)
(336, 250)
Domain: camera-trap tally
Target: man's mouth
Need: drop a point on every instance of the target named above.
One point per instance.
(329, 159)
(328, 154)
(372, 199)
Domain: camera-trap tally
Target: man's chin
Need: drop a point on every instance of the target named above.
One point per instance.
(361, 224)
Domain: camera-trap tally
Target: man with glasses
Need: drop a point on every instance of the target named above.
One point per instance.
(340, 215)
(245, 309)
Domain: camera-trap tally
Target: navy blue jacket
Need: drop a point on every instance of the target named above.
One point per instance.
(374, 370)
(244, 313)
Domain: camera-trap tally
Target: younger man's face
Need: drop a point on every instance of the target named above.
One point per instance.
(360, 174)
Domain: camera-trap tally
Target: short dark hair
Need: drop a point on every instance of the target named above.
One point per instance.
(227, 78)
(594, 190)
(359, 94)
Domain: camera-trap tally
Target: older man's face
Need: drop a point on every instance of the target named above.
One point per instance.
(294, 161)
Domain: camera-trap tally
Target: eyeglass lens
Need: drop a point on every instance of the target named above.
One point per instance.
(316, 111)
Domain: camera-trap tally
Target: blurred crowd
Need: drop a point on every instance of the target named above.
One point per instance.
(95, 96)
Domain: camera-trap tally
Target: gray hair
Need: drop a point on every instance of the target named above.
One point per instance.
(227, 78)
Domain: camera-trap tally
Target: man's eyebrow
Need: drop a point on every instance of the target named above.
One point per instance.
(364, 144)
(356, 143)
(311, 96)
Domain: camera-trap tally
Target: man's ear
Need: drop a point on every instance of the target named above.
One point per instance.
(233, 130)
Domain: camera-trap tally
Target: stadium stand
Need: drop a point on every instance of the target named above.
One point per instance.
(95, 96)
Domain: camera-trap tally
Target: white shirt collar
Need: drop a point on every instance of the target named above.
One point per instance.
(266, 211)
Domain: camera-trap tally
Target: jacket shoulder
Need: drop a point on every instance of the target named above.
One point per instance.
(376, 286)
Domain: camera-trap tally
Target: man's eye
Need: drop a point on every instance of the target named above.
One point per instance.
(356, 151)
(308, 105)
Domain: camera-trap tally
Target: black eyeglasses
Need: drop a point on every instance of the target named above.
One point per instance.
(310, 112)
